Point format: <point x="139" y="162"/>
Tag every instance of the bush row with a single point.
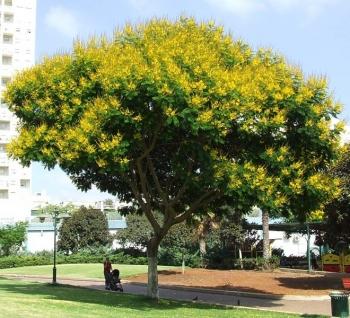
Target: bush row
<point x="47" y="259"/>
<point x="122" y="258"/>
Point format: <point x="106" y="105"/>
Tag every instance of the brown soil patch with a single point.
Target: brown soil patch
<point x="276" y="282"/>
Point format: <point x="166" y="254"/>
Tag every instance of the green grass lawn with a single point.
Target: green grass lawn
<point x="92" y="271"/>
<point x="24" y="299"/>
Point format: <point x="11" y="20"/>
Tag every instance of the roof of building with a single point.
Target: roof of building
<point x="48" y="226"/>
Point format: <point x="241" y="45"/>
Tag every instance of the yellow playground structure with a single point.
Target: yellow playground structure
<point x="336" y="263"/>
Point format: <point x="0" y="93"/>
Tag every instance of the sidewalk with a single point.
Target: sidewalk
<point x="318" y="305"/>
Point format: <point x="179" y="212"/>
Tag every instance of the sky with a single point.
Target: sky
<point x="313" y="34"/>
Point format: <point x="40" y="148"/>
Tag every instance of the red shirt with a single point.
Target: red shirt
<point x="107" y="266"/>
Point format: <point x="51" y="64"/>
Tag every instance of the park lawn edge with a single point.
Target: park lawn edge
<point x="165" y="301"/>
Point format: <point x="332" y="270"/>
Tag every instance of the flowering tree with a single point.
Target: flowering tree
<point x="176" y="117"/>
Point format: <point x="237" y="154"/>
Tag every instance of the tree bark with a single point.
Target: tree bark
<point x="202" y="249"/>
<point x="202" y="246"/>
<point x="152" y="254"/>
<point x="266" y="238"/>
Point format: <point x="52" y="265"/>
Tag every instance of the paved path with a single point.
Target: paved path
<point x="293" y="304"/>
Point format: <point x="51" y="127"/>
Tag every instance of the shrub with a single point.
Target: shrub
<point x="12" y="238"/>
<point x="173" y="257"/>
<point x="47" y="259"/>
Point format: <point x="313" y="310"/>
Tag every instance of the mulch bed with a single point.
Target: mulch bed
<point x="276" y="282"/>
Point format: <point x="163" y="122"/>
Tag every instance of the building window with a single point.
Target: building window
<point x="2" y="148"/>
<point x="25" y="183"/>
<point x="5" y="80"/>
<point x="7" y="38"/>
<point x="4" y="171"/>
<point x="4" y="125"/>
<point x="6" y="60"/>
<point x="3" y="104"/>
<point x="8" y="2"/>
<point x="4" y="194"/>
<point x="8" y="17"/>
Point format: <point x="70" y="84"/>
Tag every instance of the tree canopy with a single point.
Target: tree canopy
<point x="173" y="116"/>
<point x="85" y="228"/>
<point x="336" y="213"/>
<point x="12" y="238"/>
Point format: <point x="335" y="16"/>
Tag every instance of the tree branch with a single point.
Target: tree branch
<point x="202" y="201"/>
<point x="147" y="150"/>
<point x="169" y="211"/>
<point x="144" y="187"/>
<point x="144" y="206"/>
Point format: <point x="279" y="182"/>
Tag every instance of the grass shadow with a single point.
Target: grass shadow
<point x="85" y="295"/>
<point x="117" y="301"/>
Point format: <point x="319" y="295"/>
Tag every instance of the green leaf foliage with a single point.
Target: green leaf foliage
<point x="85" y="228"/>
<point x="175" y="115"/>
<point x="337" y="212"/>
<point x="12" y="238"/>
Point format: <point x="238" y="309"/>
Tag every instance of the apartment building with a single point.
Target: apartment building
<point x="17" y="46"/>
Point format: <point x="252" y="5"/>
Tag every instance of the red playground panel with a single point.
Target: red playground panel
<point x="331" y="268"/>
<point x="346" y="283"/>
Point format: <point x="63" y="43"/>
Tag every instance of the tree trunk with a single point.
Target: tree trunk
<point x="152" y="254"/>
<point x="202" y="246"/>
<point x="266" y="239"/>
<point x="240" y="258"/>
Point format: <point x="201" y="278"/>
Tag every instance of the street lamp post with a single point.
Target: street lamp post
<point x="54" y="269"/>
<point x="56" y="216"/>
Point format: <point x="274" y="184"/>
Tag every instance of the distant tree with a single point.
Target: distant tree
<point x="226" y="239"/>
<point x="172" y="116"/>
<point x="337" y="212"/>
<point x="85" y="228"/>
<point x="56" y="209"/>
<point x="12" y="238"/>
<point x="137" y="232"/>
<point x="179" y="245"/>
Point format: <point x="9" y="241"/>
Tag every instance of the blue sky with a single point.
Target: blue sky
<point x="313" y="34"/>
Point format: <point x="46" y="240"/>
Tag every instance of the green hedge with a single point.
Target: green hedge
<point x="47" y="259"/>
<point x="121" y="258"/>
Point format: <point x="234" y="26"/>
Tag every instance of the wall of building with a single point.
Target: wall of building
<point x="17" y="52"/>
<point x="293" y="245"/>
<point x="40" y="236"/>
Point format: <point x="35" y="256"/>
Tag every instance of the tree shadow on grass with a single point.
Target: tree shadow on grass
<point x="99" y="297"/>
<point x="106" y="298"/>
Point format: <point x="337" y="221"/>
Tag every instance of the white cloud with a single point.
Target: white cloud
<point x="62" y="20"/>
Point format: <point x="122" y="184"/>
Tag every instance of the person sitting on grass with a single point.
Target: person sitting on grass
<point x="107" y="267"/>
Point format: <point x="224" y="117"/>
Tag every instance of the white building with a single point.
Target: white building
<point x="40" y="233"/>
<point x="17" y="45"/>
